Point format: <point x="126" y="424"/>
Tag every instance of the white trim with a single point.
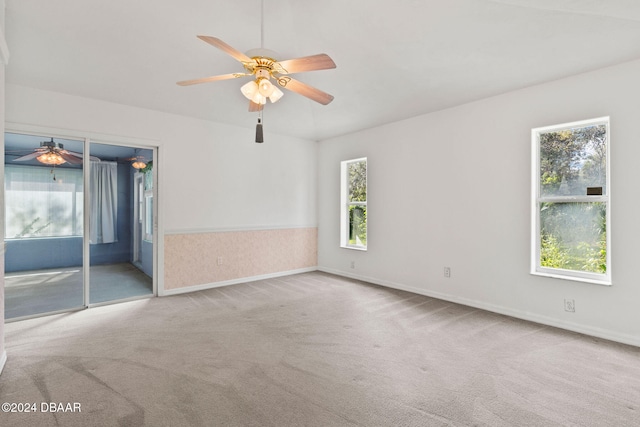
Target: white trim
<point x="544" y="320"/>
<point x="158" y="206"/>
<point x="237" y="229"/>
<point x="575" y="276"/>
<point x="4" y="48"/>
<point x="241" y="280"/>
<point x="3" y="361"/>
<point x="573" y="125"/>
<point x="355" y="248"/>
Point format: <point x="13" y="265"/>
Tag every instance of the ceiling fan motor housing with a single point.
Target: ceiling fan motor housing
<point x="263" y="73"/>
<point x="51" y="144"/>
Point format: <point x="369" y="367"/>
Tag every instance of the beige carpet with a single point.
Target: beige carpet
<point x="313" y="349"/>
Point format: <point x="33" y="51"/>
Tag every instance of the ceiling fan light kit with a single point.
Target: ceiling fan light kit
<point x="137" y="162"/>
<point x="257" y="91"/>
<point x="138" y="165"/>
<point x="51" y="159"/>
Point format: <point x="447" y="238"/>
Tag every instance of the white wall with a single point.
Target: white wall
<point x="452" y="188"/>
<point x="212" y="176"/>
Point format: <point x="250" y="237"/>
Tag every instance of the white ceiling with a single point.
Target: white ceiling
<point x="395" y="58"/>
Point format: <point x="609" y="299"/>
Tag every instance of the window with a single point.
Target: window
<point x="353" y="224"/>
<point x="571" y="209"/>
<point x="41" y="203"/>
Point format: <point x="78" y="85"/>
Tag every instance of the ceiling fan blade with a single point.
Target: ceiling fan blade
<point x="21" y="152"/>
<point x="78" y="155"/>
<point x="254" y="107"/>
<point x="212" y="79"/>
<point x="216" y="42"/>
<point x="28" y="156"/>
<point x="305" y="90"/>
<point x="73" y="153"/>
<point x="69" y="158"/>
<point x="321" y="61"/>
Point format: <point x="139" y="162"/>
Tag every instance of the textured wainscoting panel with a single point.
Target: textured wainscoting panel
<point x="192" y="259"/>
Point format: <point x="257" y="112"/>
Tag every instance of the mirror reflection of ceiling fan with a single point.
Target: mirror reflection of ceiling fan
<point x="53" y="154"/>
<point x="137" y="162"/>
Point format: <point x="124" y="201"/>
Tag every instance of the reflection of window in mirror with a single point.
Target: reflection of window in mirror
<point x="148" y="216"/>
<point x="148" y="181"/>
<point x="140" y="207"/>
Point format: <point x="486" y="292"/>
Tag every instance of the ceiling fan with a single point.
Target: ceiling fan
<point x="137" y="161"/>
<point x="262" y="64"/>
<point x="53" y="153"/>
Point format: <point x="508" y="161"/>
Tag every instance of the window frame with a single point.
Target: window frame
<point x="536" y="199"/>
<point x="345" y="204"/>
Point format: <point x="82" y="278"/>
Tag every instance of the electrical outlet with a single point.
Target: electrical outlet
<point x="353" y="264"/>
<point x="220" y="260"/>
<point x="570" y="305"/>
<point x="447" y="272"/>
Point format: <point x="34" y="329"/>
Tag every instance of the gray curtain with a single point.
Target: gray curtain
<point x="103" y="193"/>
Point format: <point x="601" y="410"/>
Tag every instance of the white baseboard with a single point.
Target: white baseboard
<point x="544" y="320"/>
<point x="3" y="361"/>
<point x="235" y="281"/>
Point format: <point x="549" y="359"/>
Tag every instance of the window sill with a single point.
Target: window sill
<point x="601" y="282"/>
<point x="355" y="248"/>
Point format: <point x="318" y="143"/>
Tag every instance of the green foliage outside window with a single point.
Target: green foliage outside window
<point x="573" y="234"/>
<point x="357" y="174"/>
<point x="358" y="225"/>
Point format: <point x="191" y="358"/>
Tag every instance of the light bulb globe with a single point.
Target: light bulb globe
<point x="265" y="87"/>
<point x="275" y="95"/>
<point x="249" y="90"/>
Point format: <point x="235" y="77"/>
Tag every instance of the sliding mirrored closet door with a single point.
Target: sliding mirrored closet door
<point x="121" y="214"/>
<point x="76" y="236"/>
<point x="44" y="211"/>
